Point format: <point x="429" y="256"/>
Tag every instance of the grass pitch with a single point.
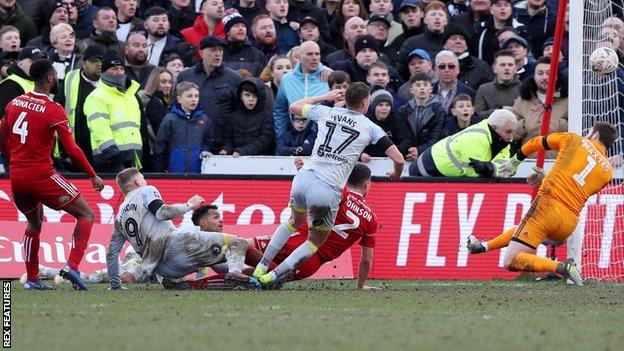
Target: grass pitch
<point x="325" y="315"/>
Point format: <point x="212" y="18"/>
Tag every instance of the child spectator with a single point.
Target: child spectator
<point x="298" y="139"/>
<point x="249" y="129"/>
<point x="185" y="135"/>
<point x="338" y="80"/>
<point x="9" y="39"/>
<point x="462" y="115"/>
<point x="423" y="114"/>
<point x="382" y="114"/>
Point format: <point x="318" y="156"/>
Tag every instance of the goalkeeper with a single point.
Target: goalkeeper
<point x="477" y="151"/>
<point x="581" y="170"/>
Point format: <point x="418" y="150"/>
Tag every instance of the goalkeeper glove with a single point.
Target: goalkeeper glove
<point x="507" y="168"/>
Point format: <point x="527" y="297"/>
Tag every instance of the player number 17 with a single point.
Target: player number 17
<point x="21" y="127"/>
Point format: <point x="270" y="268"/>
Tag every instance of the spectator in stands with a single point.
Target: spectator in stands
<point x="127" y="22"/>
<point x="458" y="7"/>
<point x="411" y="18"/>
<point x="63" y="53"/>
<point x="309" y="30"/>
<point x="470" y="154"/>
<point x="9" y="39"/>
<point x="264" y="35"/>
<point x="303" y="82"/>
<point x="472" y="70"/>
<point x="436" y="19"/>
<point x="156" y="98"/>
<point x="77" y="86"/>
<point x="419" y="61"/>
<point x="529" y="107"/>
<point x="173" y="63"/>
<point x="7" y="59"/>
<point x="56" y="12"/>
<point x="287" y="37"/>
<point x="330" y="9"/>
<point x="84" y="23"/>
<point x="448" y="85"/>
<point x="300" y="9"/>
<point x="137" y="66"/>
<point x="379" y="77"/>
<point x="208" y="23"/>
<point x="485" y="43"/>
<point x="347" y="9"/>
<point x="384" y="8"/>
<point x="378" y="27"/>
<point x="104" y="27"/>
<point x="461" y="117"/>
<point x="217" y="83"/>
<point x="114" y="119"/>
<point x="382" y="114"/>
<point x="424" y="115"/>
<point x="181" y="15"/>
<point x="505" y="33"/>
<point x="278" y="66"/>
<point x="159" y="41"/>
<point x="249" y="9"/>
<point x="18" y="82"/>
<point x="354" y="28"/>
<point x="249" y="129"/>
<point x="298" y="140"/>
<point x="186" y="134"/>
<point x="617" y="24"/>
<point x="12" y="14"/>
<point x="520" y="49"/>
<point x="338" y="80"/>
<point x="240" y="53"/>
<point x="479" y="11"/>
<point x="501" y="92"/>
<point x="539" y="19"/>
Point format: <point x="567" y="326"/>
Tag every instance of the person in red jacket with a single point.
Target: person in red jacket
<point x="207" y="23"/>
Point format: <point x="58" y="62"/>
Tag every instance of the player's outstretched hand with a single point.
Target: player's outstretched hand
<point x="195" y="201"/>
<point x="393" y="176"/>
<point x="535" y="179"/>
<point x="98" y="183"/>
<point x="369" y="288"/>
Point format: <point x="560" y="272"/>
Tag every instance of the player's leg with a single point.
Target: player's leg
<point x="298" y="206"/>
<point x="82" y="231"/>
<point x="476" y="246"/>
<point x="34" y="215"/>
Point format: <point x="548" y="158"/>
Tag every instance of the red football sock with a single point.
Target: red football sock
<point x="31" y="254"/>
<point x="82" y="232"/>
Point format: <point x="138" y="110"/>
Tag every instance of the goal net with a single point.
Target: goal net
<point x="598" y="242"/>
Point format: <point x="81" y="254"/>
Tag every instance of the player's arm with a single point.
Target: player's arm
<point x="553" y="141"/>
<point x="112" y="257"/>
<point x="395" y="155"/>
<point x="366" y="263"/>
<point x="165" y="212"/>
<point x="299" y="108"/>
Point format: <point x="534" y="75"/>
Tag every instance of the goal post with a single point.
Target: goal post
<point x="597" y="244"/>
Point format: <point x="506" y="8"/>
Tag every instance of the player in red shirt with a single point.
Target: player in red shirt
<point x="27" y="136"/>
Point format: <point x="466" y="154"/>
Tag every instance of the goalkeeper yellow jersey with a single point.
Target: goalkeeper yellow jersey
<point x="580" y="171"/>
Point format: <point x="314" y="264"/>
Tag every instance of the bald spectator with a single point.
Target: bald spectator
<point x="347" y="9"/>
<point x="472" y="71"/>
<point x="240" y="54"/>
<point x="127" y="22"/>
<point x="104" y="27"/>
<point x="448" y="85"/>
<point x="208" y="23"/>
<point x="354" y="28"/>
<point x="287" y="37"/>
<point x="12" y="14"/>
<point x="505" y="88"/>
<point x="301" y="83"/>
<point x="264" y="35"/>
<point x="479" y="11"/>
<point x="135" y="56"/>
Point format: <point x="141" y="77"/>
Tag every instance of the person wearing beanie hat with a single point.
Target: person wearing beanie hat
<point x="381" y="112"/>
<point x="472" y="70"/>
<point x="118" y="129"/>
<point x="28" y="145"/>
<point x="240" y="52"/>
<point x="55" y="13"/>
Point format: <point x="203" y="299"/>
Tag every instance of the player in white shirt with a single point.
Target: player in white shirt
<point x="145" y="221"/>
<point x="316" y="191"/>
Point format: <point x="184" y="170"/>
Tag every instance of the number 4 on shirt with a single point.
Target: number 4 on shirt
<point x="21" y="127"/>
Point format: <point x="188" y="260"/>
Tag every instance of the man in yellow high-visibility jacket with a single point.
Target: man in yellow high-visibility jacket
<point x="18" y="82"/>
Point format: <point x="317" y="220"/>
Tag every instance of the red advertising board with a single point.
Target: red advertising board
<point x="422" y="235"/>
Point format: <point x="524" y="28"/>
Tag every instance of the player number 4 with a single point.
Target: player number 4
<point x="580" y="177"/>
<point x="21" y="127"/>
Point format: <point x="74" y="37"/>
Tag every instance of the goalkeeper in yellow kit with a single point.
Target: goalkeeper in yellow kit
<point x="581" y="170"/>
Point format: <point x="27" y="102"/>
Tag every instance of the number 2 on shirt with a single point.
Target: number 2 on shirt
<point x="21" y="127"/>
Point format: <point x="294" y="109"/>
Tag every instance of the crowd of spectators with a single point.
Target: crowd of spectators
<point x="163" y="84"/>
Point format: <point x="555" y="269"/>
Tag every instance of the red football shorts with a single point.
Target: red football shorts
<point x="53" y="191"/>
<point x="304" y="270"/>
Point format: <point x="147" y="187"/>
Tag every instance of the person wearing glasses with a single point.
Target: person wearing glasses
<point x="448" y="85"/>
